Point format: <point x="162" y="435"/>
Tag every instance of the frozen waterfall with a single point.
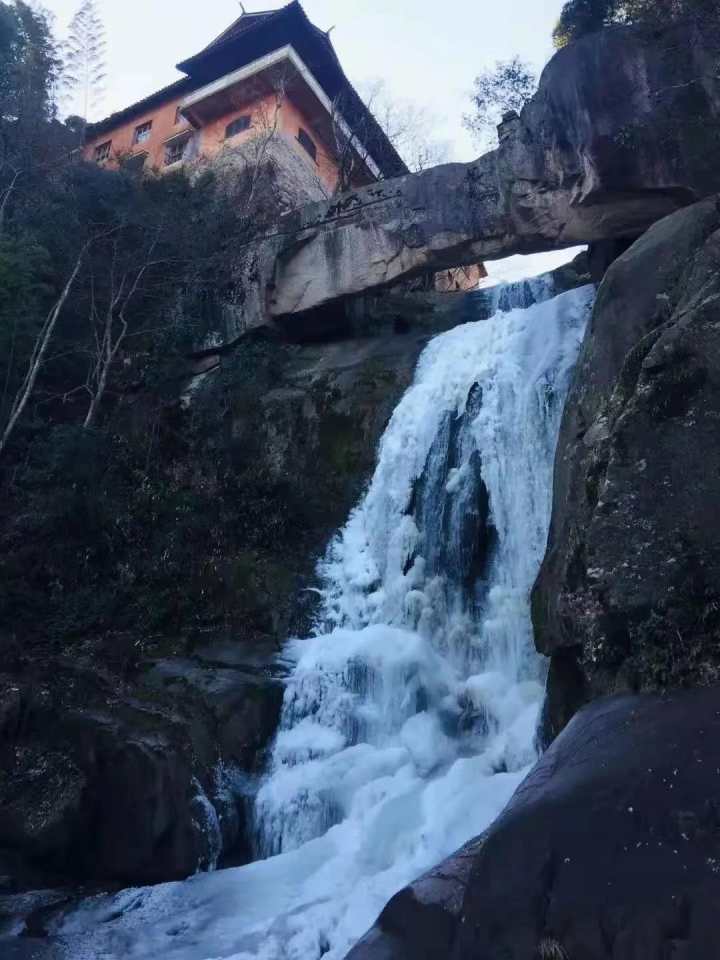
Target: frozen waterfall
<point x="410" y="715"/>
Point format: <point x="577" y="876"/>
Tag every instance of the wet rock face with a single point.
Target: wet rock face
<point x="628" y="597"/>
<point x="110" y="781"/>
<point x="136" y="779"/>
<point x="622" y="131"/>
<point x="609" y="849"/>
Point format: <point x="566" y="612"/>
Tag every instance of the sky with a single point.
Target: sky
<point x="427" y="52"/>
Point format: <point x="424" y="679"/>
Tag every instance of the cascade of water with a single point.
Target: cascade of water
<point x="424" y="631"/>
<point x="409" y="718"/>
<point x="522" y="294"/>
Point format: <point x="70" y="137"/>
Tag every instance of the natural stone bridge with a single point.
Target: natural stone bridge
<point x="606" y="147"/>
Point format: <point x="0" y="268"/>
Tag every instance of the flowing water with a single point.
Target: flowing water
<point x="410" y="716"/>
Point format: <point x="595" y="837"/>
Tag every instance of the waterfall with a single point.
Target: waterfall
<point x="410" y="714"/>
<point x="423" y="648"/>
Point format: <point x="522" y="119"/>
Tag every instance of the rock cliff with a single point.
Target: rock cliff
<point x="621" y="132"/>
<point x="141" y="681"/>
<point x="628" y="598"/>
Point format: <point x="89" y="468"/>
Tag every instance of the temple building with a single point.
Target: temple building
<point x="271" y="89"/>
<point x="269" y="75"/>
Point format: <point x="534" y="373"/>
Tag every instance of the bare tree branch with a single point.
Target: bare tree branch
<point x="112" y="332"/>
<point x="5" y="196"/>
<point x="39" y="351"/>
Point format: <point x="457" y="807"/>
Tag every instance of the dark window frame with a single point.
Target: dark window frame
<point x="237" y="126"/>
<point x="103" y="151"/>
<point x="135" y="163"/>
<point x="307" y="143"/>
<point x="171" y="155"/>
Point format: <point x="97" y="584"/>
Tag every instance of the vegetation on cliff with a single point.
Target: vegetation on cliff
<point x="114" y="495"/>
<point x="504" y="89"/>
<point x="580" y="17"/>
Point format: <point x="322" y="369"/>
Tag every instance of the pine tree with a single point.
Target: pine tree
<point x="84" y="60"/>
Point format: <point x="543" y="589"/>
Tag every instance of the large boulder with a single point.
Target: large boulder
<point x="628" y="597"/>
<point x="106" y="780"/>
<point x="622" y="131"/>
<point x="609" y="850"/>
<point x="611" y="847"/>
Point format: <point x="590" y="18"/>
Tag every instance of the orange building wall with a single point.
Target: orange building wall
<point x="261" y="112"/>
<point x="164" y="126"/>
<point x="212" y="137"/>
<point x="460" y="278"/>
<point x="292" y="118"/>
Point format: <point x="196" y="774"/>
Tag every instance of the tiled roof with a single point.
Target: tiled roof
<point x="254" y="35"/>
<point x="243" y="23"/>
<point x="151" y="102"/>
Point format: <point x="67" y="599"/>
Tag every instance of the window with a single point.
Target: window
<point x="142" y="133"/>
<point x="236" y="127"/>
<point x="305" y="140"/>
<point x="102" y="152"/>
<point x="175" y="150"/>
<point x="134" y="164"/>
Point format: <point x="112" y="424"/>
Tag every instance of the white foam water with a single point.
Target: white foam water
<point x="409" y="717"/>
